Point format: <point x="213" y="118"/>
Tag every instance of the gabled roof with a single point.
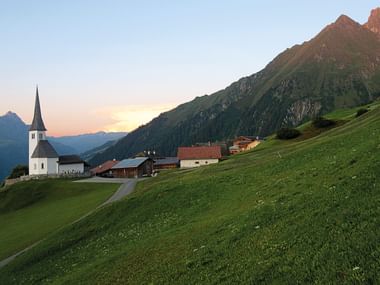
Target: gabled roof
<point x="166" y="160"/>
<point x="104" y="167"/>
<point x="38" y="123"/>
<point x="70" y="159"/>
<point x="201" y="152"/>
<point x="44" y="150"/>
<point x="131" y="162"/>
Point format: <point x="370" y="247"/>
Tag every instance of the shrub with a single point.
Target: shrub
<point x="287" y="133"/>
<point x="361" y="112"/>
<point x="18" y="171"/>
<point x="321" y="122"/>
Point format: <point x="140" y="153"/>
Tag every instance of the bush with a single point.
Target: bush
<point x="287" y="134"/>
<point x="361" y="112"/>
<point x="18" y="171"/>
<point x="321" y="122"/>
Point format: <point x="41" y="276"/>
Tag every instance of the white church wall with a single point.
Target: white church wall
<point x="33" y="166"/>
<point x="42" y="166"/>
<point x="51" y="165"/>
<point x="71" y="168"/>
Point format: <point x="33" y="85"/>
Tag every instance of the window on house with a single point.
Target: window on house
<point x="35" y="166"/>
<point x="197" y="162"/>
<point x="206" y="162"/>
<point x="42" y="165"/>
<point x="33" y="136"/>
<point x="40" y="136"/>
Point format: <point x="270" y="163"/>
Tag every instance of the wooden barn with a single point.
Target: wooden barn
<point x="166" y="163"/>
<point x="133" y="168"/>
<point x="104" y="169"/>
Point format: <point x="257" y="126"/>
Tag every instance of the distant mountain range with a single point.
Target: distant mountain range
<point x="338" y="68"/>
<point x="14" y="143"/>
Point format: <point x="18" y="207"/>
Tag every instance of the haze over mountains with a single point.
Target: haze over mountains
<point x="339" y="68"/>
<point x="14" y="142"/>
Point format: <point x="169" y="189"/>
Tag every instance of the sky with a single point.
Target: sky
<point x="114" y="65"/>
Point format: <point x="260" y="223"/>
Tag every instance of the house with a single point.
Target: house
<point x="133" y="168"/>
<point x="244" y="143"/>
<point x="105" y="169"/>
<point x="197" y="156"/>
<point x="43" y="158"/>
<point x="166" y="163"/>
<point x="71" y="164"/>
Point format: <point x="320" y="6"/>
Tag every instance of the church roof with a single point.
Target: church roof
<point x="38" y="123"/>
<point x="44" y="150"/>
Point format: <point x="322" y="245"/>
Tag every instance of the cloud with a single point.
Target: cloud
<point x="128" y="118"/>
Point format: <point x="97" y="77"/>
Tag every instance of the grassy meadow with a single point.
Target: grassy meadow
<point x="300" y="212"/>
<point x="29" y="211"/>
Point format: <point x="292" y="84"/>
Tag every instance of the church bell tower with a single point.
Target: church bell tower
<point x="37" y="131"/>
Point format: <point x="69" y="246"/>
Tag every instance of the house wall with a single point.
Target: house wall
<point x="71" y="168"/>
<point x="253" y="145"/>
<point x="125" y="173"/>
<point x="190" y="163"/>
<point x="166" y="166"/>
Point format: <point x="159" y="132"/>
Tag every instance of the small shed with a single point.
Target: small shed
<point x="133" y="168"/>
<point x="166" y="163"/>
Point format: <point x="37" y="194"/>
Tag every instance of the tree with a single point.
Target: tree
<point x="18" y="171"/>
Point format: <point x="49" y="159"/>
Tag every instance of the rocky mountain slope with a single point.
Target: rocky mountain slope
<point x="339" y="68"/>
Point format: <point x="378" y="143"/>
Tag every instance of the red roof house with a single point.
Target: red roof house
<point x="198" y="156"/>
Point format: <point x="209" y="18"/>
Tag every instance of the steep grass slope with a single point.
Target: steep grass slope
<point x="31" y="210"/>
<point x="292" y="213"/>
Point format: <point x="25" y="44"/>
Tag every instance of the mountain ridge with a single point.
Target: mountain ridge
<point x="338" y="68"/>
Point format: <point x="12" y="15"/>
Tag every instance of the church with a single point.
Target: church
<point x="43" y="158"/>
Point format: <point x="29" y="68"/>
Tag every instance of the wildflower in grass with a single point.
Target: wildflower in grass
<point x="356" y="268"/>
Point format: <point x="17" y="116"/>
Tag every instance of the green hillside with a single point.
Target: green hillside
<point x="31" y="210"/>
<point x="301" y="212"/>
<point x="339" y="68"/>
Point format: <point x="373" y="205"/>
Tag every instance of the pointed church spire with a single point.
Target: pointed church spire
<point x="38" y="123"/>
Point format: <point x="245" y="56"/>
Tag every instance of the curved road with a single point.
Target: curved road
<point x="127" y="187"/>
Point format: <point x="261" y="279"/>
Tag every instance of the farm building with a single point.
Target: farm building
<point x="105" y="169"/>
<point x="197" y="156"/>
<point x="71" y="164"/>
<point x="244" y="143"/>
<point x="133" y="168"/>
<point x="166" y="163"/>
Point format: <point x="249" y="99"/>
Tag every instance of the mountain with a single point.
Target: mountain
<point x="88" y="155"/>
<point x="14" y="142"/>
<point x="86" y="142"/>
<point x="373" y="23"/>
<point x="339" y="68"/>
